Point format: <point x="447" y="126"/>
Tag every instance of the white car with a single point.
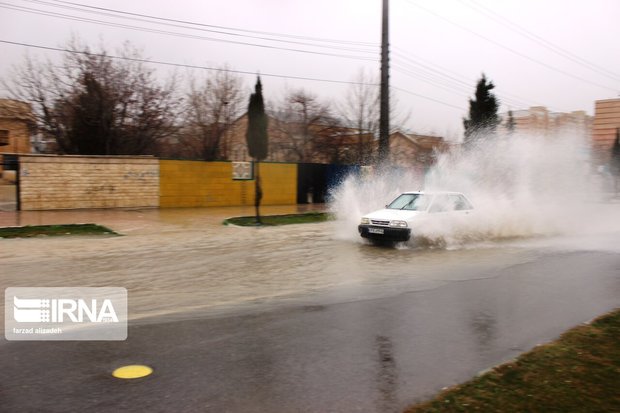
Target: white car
<point x="400" y="218"/>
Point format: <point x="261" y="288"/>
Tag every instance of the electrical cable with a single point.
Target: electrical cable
<point x="158" y="31"/>
<point x="541" y="40"/>
<point x="514" y="51"/>
<point x="318" y="39"/>
<point x="159" y="62"/>
<point x="194" y="26"/>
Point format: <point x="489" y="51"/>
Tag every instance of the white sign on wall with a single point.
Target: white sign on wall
<point x="242" y="171"/>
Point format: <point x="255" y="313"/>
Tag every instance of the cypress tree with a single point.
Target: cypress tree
<point x="482" y="111"/>
<point x="257" y="138"/>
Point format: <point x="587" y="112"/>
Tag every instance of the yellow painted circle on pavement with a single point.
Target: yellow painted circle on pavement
<point x="134" y="371"/>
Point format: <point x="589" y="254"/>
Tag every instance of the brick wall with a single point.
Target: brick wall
<point x="206" y="184"/>
<point x="71" y="182"/>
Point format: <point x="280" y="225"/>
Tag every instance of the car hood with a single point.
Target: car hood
<point x="394" y="214"/>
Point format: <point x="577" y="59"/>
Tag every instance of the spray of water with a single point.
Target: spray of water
<point x="521" y="186"/>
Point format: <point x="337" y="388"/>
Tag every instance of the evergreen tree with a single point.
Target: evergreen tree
<point x="257" y="138"/>
<point x="483" y="117"/>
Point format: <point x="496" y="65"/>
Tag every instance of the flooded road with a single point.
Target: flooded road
<point x="294" y="318"/>
<point x="185" y="263"/>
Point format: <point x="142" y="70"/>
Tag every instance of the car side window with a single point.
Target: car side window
<point x="461" y="203"/>
<point x="440" y="204"/>
<point x="444" y="203"/>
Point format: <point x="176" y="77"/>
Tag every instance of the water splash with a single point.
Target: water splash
<point x="360" y="194"/>
<point x="521" y="186"/>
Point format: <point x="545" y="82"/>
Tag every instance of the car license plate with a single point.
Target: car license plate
<point x="375" y="230"/>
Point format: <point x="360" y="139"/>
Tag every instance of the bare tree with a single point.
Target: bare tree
<point x="306" y="126"/>
<point x="360" y="110"/>
<point x="212" y="105"/>
<point x="93" y="103"/>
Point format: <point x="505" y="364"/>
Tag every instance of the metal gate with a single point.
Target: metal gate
<point x="9" y="182"/>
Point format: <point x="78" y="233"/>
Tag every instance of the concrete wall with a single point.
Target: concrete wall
<point x="71" y="182"/>
<point x="206" y="184"/>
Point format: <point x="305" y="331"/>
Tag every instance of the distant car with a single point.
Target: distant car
<point x="400" y="218"/>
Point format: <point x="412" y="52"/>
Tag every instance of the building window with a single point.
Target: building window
<point x="4" y="137"/>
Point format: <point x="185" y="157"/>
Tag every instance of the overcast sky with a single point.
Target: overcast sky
<point x="563" y="54"/>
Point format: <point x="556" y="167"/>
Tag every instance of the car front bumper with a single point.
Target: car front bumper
<point x="376" y="232"/>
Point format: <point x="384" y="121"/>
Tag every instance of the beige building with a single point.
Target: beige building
<point x="538" y="120"/>
<point x="606" y="125"/>
<point x="335" y="145"/>
<point x="16" y="126"/>
<point x="415" y="152"/>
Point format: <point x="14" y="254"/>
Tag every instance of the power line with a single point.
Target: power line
<point x="461" y="92"/>
<point x="518" y="53"/>
<point x="117" y="14"/>
<point x="540" y="40"/>
<point x="241" y="72"/>
<point x="427" y="79"/>
<point x="436" y="69"/>
<point x="454" y="85"/>
<point x="405" y="54"/>
<point x="432" y="68"/>
<point x="318" y="39"/>
<point x="427" y="98"/>
<point x="188" y="66"/>
<point x="158" y="31"/>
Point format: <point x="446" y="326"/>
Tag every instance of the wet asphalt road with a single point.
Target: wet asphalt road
<point x="371" y="355"/>
<point x="366" y="345"/>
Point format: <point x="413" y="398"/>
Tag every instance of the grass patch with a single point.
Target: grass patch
<point x="54" y="230"/>
<point x="580" y="372"/>
<point x="270" y="220"/>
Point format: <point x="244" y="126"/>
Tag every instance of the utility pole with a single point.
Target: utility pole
<point x="384" y="116"/>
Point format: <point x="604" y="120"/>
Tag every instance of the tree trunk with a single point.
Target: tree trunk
<point x="258" y="194"/>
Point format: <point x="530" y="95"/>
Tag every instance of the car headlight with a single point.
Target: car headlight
<point x="400" y="224"/>
<point x="365" y="221"/>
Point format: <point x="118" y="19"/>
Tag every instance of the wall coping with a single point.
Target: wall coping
<point x="45" y="155"/>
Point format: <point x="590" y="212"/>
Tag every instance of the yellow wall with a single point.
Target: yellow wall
<point x="205" y="184"/>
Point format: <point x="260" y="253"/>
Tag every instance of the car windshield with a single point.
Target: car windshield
<point x="410" y="202"/>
